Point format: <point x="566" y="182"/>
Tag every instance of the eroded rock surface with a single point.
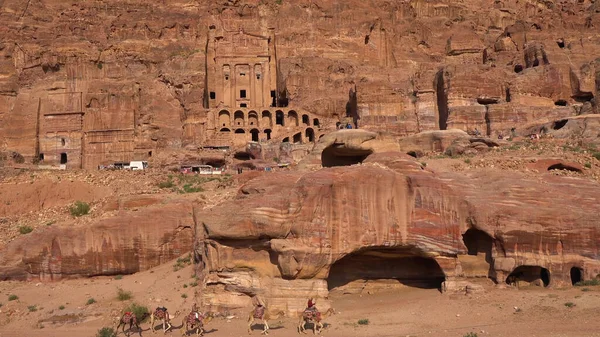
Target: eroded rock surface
<point x="390" y="218"/>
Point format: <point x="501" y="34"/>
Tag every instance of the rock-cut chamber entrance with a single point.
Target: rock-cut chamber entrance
<point x="529" y="275"/>
<point x="342" y="156"/>
<point x="384" y="268"/>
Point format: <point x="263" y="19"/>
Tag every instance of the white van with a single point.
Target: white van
<point x="138" y="165"/>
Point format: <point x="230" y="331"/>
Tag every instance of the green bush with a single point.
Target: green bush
<point x="596" y="155"/>
<point x="364" y="321"/>
<point x="470" y="334"/>
<point x="106" y="332"/>
<point x="90" y="301"/>
<point x="588" y="165"/>
<point x="183" y="296"/>
<point x="123" y="295"/>
<point x="140" y="312"/>
<point x="194" y="284"/>
<point x="188" y="188"/>
<point x="32" y="308"/>
<point x="118" y="277"/>
<point x="80" y="208"/>
<point x="62" y="307"/>
<point x="13" y="297"/>
<point x="25" y="229"/>
<point x="569" y="304"/>
<point x="166" y="184"/>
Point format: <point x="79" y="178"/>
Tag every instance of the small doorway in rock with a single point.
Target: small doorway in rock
<point x="268" y="133"/>
<point x="310" y="134"/>
<point x="576" y="275"/>
<point x="279" y="118"/>
<point x="286" y="140"/>
<point x="545" y="276"/>
<point x="255" y="134"/>
<point x="316" y="122"/>
<point x="63" y="158"/>
<point x="298" y="138"/>
<point x="62" y="142"/>
<point x="41" y="157"/>
<point x="149" y="153"/>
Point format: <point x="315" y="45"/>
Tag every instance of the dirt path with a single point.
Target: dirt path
<point x="404" y="312"/>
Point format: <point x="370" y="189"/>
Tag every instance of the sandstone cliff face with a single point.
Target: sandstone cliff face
<point x="136" y="70"/>
<point x="390" y="218"/>
<point x="124" y="244"/>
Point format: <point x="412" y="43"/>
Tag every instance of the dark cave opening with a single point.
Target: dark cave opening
<point x="400" y="265"/>
<point x="530" y="274"/>
<point x="576" y="275"/>
<point x="339" y="156"/>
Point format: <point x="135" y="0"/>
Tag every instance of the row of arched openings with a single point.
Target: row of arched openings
<point x="265" y="119"/>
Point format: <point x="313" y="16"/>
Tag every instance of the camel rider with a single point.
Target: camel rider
<point x="312" y="305"/>
<point x="196" y="312"/>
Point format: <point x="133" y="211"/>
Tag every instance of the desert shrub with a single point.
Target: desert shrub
<point x="80" y="208"/>
<point x="596" y="155"/>
<point x="141" y="312"/>
<point x="588" y="165"/>
<point x="106" y="332"/>
<point x="166" y="184"/>
<point x="569" y="304"/>
<point x="182" y="262"/>
<point x="592" y="282"/>
<point x="194" y="284"/>
<point x="62" y="307"/>
<point x="90" y="301"/>
<point x="25" y="229"/>
<point x="123" y="295"/>
<point x="13" y="297"/>
<point x="118" y="277"/>
<point x="32" y="308"/>
<point x="188" y="188"/>
<point x="183" y="296"/>
<point x="470" y="334"/>
<point x="364" y="321"/>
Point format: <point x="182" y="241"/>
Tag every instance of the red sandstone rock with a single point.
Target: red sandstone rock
<point x="124" y="244"/>
<point x="389" y="208"/>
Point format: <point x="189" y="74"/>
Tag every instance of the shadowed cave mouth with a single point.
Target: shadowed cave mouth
<point x="401" y="264"/>
<point x="530" y="274"/>
<point x="243" y="156"/>
<point x="576" y="275"/>
<point x="337" y="155"/>
<point x="480" y="244"/>
<point x="564" y="167"/>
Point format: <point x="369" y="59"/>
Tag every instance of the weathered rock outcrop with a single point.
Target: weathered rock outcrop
<point x="318" y="231"/>
<point x="123" y="244"/>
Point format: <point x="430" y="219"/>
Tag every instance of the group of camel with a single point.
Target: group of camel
<point x="194" y="321"/>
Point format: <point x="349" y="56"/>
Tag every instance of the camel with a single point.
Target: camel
<point x="310" y="317"/>
<point x="129" y="318"/>
<point x="260" y="313"/>
<point x="161" y="314"/>
<point x="194" y="321"/>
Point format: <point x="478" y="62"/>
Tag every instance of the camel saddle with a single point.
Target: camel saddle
<point x="259" y="312"/>
<point x="192" y="320"/>
<point x="160" y="313"/>
<point x="129" y="316"/>
<point x="312" y="315"/>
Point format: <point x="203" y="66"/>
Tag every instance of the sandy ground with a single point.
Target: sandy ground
<point x="404" y="312"/>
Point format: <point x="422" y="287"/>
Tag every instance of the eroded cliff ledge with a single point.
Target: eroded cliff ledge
<point x="390" y="218"/>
